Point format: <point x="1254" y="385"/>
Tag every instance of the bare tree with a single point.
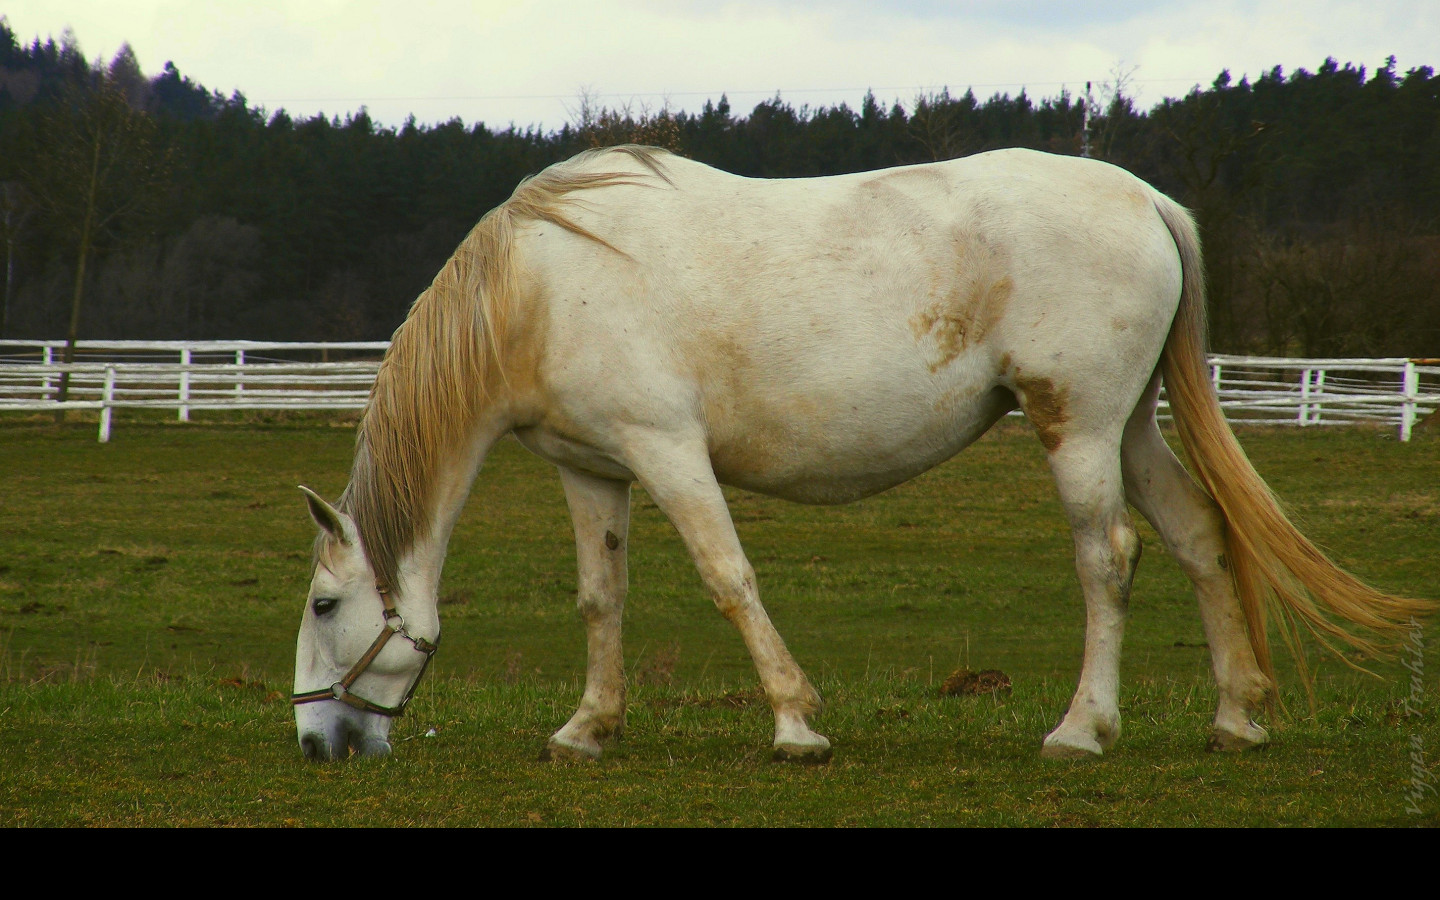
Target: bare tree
<point x="209" y="274"/>
<point x="1114" y="108"/>
<point x="1361" y="287"/>
<point x="600" y="126"/>
<point x="937" y="126"/>
<point x="102" y="167"/>
<point x="1203" y="152"/>
<point x="15" y="209"/>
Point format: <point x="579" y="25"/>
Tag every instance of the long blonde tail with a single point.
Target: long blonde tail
<point x="1276" y="568"/>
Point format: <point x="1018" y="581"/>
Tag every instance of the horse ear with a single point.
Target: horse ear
<point x="326" y="516"/>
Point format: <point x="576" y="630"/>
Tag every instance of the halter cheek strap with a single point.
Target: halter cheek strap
<point x="340" y="690"/>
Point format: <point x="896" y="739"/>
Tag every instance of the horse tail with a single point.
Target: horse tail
<point x="1276" y="569"/>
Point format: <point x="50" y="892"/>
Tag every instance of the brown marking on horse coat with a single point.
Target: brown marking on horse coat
<point x="962" y="318"/>
<point x="749" y="432"/>
<point x="922" y="176"/>
<point x="1044" y="406"/>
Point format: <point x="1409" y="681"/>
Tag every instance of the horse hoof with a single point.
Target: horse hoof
<point x="568" y="753"/>
<point x="1069" y="749"/>
<point x="1252" y="738"/>
<point x="802" y="755"/>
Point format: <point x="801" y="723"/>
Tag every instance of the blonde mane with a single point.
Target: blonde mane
<point x="447" y="360"/>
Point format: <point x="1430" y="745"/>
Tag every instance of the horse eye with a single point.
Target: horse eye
<point x="323" y="605"/>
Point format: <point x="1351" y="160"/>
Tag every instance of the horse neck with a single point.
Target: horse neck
<point x="419" y="568"/>
<point x="422" y="513"/>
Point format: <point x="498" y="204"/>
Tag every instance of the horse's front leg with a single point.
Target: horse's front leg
<point x="680" y="480"/>
<point x="600" y="510"/>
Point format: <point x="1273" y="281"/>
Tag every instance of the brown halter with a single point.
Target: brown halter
<point x="340" y="690"/>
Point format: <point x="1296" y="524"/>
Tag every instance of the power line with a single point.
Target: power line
<point x="742" y="93"/>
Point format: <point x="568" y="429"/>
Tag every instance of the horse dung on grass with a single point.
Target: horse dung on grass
<point x="630" y="315"/>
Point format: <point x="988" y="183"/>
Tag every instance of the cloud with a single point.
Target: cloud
<point x="525" y="62"/>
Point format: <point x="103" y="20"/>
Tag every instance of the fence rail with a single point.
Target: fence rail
<point x="189" y="376"/>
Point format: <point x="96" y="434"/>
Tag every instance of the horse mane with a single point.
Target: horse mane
<point x="446" y="360"/>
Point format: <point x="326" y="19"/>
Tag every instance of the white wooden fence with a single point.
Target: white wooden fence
<point x="1310" y="392"/>
<point x="189" y="376"/>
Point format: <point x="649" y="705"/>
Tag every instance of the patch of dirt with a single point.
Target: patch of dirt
<point x="967" y="683"/>
<point x="751" y="517"/>
<point x="728" y="700"/>
<point x="659" y="668"/>
<point x="144" y="553"/>
<point x="240" y="682"/>
<point x="516" y="668"/>
<point x="35" y="606"/>
<point x="731" y="699"/>
<point x="1412" y="504"/>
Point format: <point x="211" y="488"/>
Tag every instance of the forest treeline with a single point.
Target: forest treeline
<point x="135" y="206"/>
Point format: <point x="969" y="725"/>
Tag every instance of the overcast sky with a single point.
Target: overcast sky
<point x="528" y="62"/>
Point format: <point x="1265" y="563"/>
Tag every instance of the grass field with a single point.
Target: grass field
<point x="150" y="590"/>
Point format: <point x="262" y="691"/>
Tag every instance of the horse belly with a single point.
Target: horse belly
<point x="823" y="446"/>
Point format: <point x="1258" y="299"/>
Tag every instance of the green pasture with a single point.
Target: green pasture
<point x="150" y="590"/>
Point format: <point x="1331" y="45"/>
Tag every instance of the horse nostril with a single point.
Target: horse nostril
<point x="314" y="747"/>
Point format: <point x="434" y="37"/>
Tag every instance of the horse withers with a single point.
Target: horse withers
<point x="632" y="316"/>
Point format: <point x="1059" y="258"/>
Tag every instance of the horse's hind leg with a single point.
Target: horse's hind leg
<point x="1087" y="473"/>
<point x="679" y="479"/>
<point x="600" y="510"/>
<point x="1193" y="529"/>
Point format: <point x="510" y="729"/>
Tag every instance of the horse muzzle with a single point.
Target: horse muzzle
<point x="331" y="731"/>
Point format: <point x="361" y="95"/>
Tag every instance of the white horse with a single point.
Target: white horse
<point x="630" y="315"/>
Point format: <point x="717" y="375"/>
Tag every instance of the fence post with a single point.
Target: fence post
<point x="1304" y="398"/>
<point x="185" y="384"/>
<point x="49" y="361"/>
<point x="239" y="385"/>
<point x="1318" y="395"/>
<point x="1410" y="390"/>
<point x="105" y="400"/>
<point x="1215" y="376"/>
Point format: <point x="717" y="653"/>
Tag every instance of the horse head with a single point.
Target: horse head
<point x="351" y="677"/>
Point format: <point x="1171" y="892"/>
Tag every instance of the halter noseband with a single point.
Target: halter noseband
<point x="340" y="690"/>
